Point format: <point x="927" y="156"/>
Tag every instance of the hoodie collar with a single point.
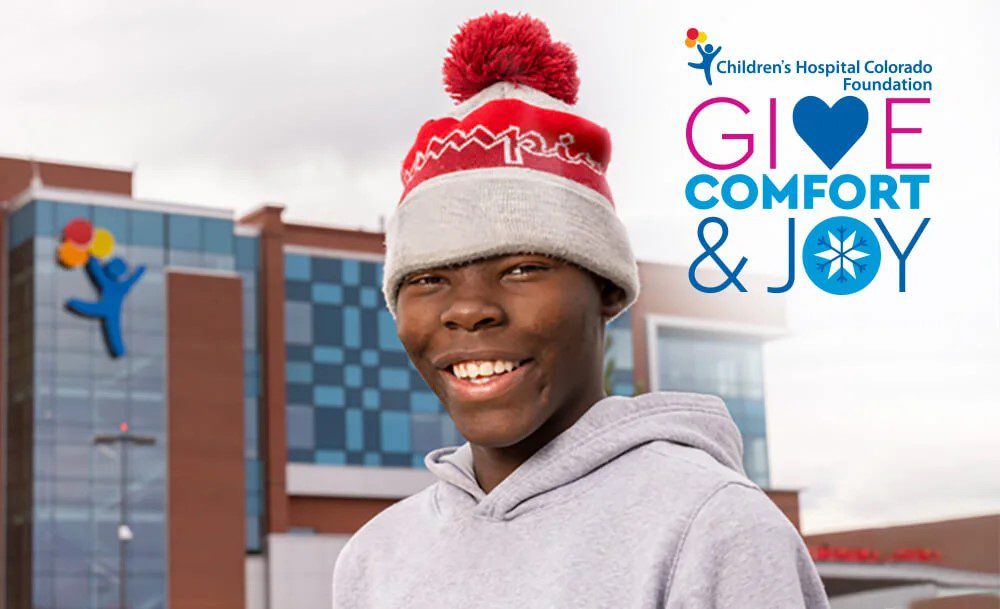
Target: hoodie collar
<point x="611" y="427"/>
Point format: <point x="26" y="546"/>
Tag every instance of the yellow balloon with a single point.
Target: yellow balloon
<point x="72" y="255"/>
<point x="102" y="244"/>
<point x="702" y="36"/>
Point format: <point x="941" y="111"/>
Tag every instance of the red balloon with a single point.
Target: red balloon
<point x="79" y="230"/>
<point x="693" y="33"/>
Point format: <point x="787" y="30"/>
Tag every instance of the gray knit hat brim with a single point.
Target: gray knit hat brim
<point x="479" y="213"/>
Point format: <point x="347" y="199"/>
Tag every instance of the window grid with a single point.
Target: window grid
<point x="353" y="396"/>
<point x="729" y="367"/>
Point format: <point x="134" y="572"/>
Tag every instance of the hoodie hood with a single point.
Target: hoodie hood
<point x="611" y="427"/>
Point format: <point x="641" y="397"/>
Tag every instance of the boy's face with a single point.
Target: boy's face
<point x="465" y="327"/>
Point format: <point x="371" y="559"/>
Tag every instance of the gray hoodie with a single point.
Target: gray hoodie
<point x="641" y="504"/>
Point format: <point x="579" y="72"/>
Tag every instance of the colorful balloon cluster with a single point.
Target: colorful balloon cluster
<point x="81" y="240"/>
<point x="694" y="37"/>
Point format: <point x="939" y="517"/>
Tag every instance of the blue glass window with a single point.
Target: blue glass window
<point x="352" y="327"/>
<point x="388" y="339"/>
<point x="79" y="390"/>
<point x="70" y="211"/>
<point x="327" y="293"/>
<point x="328" y="355"/>
<point x="21" y="226"/>
<point x="300" y="427"/>
<point x="113" y="219"/>
<point x="394" y="378"/>
<point x="352" y="375"/>
<point x="725" y="366"/>
<point x="45" y="218"/>
<point x="369" y="297"/>
<point x="331" y="457"/>
<point x="395" y="431"/>
<point x="147" y="228"/>
<point x="247" y="253"/>
<point x="367" y="400"/>
<point x="351" y="272"/>
<point x="355" y="438"/>
<point x="218" y="237"/>
<point x="184" y="232"/>
<point x="298" y="322"/>
<point x="424" y="401"/>
<point x="299" y="372"/>
<point x="325" y="395"/>
<point x="297" y="266"/>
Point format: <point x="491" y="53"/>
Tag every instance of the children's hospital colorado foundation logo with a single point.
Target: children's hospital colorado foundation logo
<point x="841" y="254"/>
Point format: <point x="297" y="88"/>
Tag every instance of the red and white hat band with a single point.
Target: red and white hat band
<point x="511" y="133"/>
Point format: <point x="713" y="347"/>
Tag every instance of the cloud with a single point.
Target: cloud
<point x="885" y="430"/>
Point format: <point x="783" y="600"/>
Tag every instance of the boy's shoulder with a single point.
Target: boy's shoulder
<point x="405" y="515"/>
<point x="714" y="490"/>
<point x="668" y="477"/>
<point x="674" y="463"/>
<point x="376" y="543"/>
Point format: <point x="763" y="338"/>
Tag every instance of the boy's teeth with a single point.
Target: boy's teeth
<point x="482" y="369"/>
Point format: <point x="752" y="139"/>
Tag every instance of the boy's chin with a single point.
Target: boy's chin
<point x="493" y="429"/>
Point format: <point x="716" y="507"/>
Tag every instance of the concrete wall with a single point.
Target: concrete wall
<point x="300" y="570"/>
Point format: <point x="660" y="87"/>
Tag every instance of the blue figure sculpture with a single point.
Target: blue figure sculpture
<point x="112" y="289"/>
<point x="708" y="54"/>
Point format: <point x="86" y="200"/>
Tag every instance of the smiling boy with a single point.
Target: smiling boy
<point x="505" y="261"/>
<point x="513" y="345"/>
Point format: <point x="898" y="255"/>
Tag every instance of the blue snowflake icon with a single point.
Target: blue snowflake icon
<point x="841" y="255"/>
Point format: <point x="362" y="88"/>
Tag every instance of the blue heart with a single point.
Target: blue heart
<point x="830" y="132"/>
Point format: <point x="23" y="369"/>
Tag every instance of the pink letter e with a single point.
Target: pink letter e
<point x="889" y="130"/>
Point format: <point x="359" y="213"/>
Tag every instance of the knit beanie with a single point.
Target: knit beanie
<point x="511" y="169"/>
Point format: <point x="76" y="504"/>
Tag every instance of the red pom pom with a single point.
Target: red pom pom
<point x="518" y="49"/>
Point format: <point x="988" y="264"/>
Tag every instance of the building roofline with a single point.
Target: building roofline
<point x="909" y="573"/>
<point x="257" y="213"/>
<point x="91" y="197"/>
<point x="904" y="523"/>
<point x="682" y="322"/>
<point x="332" y="252"/>
<point x="34" y="158"/>
<point x="333" y="229"/>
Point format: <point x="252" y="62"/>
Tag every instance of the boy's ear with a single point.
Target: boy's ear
<point x="612" y="298"/>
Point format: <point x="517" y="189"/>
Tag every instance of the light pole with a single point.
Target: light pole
<point x="123" y="438"/>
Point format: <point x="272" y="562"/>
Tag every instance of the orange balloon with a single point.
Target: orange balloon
<point x="72" y="255"/>
<point x="689" y="43"/>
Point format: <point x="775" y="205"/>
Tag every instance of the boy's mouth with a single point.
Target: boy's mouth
<point x="475" y="380"/>
<point x="481" y="371"/>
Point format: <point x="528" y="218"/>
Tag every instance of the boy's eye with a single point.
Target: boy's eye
<point x="526" y="268"/>
<point x="424" y="280"/>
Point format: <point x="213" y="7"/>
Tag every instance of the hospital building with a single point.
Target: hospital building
<point x="206" y="421"/>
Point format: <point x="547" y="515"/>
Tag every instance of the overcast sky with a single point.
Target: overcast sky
<point x="882" y="407"/>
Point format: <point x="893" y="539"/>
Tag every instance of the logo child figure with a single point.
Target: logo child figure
<point x="708" y="52"/>
<point x="81" y="243"/>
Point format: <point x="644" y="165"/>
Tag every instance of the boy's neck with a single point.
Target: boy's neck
<point x="492" y="465"/>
